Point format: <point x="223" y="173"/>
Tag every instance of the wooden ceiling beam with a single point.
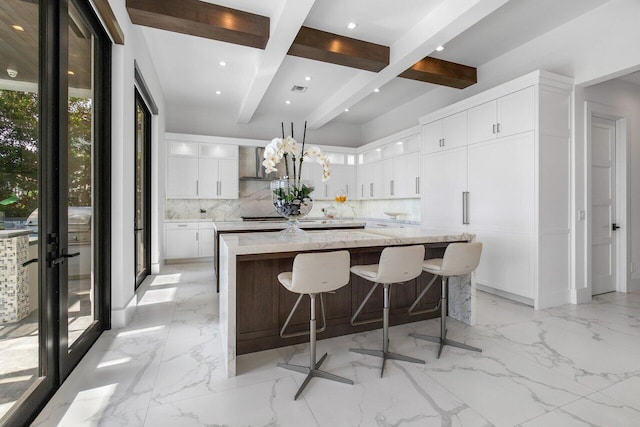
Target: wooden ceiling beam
<point x="440" y="72"/>
<point x="110" y="21"/>
<point x="201" y="19"/>
<point x="335" y="49"/>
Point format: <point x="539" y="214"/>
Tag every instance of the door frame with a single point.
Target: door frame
<point x="623" y="202"/>
<point x="148" y="117"/>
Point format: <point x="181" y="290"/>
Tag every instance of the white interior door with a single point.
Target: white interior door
<point x="603" y="204"/>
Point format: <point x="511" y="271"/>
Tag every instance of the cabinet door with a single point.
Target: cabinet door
<point x="206" y="242"/>
<point x="432" y="137"/>
<point x="228" y="179"/>
<point x="365" y="184"/>
<point x="516" y="112"/>
<point x="312" y="172"/>
<point x="406" y="173"/>
<point x="182" y="244"/>
<point x="482" y="122"/>
<point x="382" y="173"/>
<point x="182" y="177"/>
<point x="454" y="131"/>
<point x="445" y="180"/>
<point x="208" y="178"/>
<point x="342" y="178"/>
<point x="501" y="211"/>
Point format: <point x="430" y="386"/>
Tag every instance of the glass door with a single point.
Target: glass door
<point x="82" y="190"/>
<point x="143" y="190"/>
<point x="24" y="362"/>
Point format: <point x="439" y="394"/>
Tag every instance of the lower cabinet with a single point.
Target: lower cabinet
<point x="189" y="240"/>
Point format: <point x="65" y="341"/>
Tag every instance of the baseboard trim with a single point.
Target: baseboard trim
<point x="505" y="294"/>
<point x="580" y="296"/>
<point x="634" y="285"/>
<point x="120" y="317"/>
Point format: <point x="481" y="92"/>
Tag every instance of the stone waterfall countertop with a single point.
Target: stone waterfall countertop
<point x="260" y="243"/>
<point x="461" y="301"/>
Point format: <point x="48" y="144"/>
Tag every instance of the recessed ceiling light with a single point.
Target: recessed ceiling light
<point x="378" y="149"/>
<point x="71" y="73"/>
<point x="287" y="102"/>
<point x="440" y="48"/>
<point x="346" y="110"/>
<point x="376" y="90"/>
<point x="308" y="78"/>
<point x="17" y="27"/>
<point x="223" y="64"/>
<point x="351" y="25"/>
<point x="218" y="92"/>
<point x="399" y="142"/>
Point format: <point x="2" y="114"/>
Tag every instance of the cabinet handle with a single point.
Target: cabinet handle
<point x="197" y="187"/>
<point x="362" y="190"/>
<point x="371" y="189"/>
<point x="347" y="189"/>
<point x="443" y="142"/>
<point x="391" y="187"/>
<point x="219" y="188"/>
<point x="417" y="185"/>
<point x="182" y="225"/>
<point x="494" y="129"/>
<point x="197" y="235"/>
<point x="465" y="207"/>
<point x="498" y="128"/>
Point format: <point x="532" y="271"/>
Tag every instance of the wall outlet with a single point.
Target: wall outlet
<point x="582" y="215"/>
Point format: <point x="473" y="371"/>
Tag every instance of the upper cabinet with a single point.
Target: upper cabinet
<point x="202" y="170"/>
<point x="390" y="171"/>
<point x="444" y="134"/>
<point x="508" y="115"/>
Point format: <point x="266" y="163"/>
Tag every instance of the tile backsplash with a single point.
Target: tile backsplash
<point x="255" y="200"/>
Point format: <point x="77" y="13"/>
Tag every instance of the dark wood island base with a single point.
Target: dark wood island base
<point x="263" y="304"/>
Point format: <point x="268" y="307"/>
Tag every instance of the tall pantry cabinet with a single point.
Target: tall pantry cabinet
<point x="507" y="178"/>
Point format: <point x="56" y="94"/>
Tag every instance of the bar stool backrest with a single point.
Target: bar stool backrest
<point x="460" y="259"/>
<point x="399" y="264"/>
<point x="320" y="272"/>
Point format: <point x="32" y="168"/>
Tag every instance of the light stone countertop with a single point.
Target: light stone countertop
<point x="270" y="225"/>
<point x="258" y="243"/>
<point x="10" y="234"/>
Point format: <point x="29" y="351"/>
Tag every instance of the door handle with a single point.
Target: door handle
<point x="465" y="207"/>
<point x="31" y="261"/>
<point x="62" y="258"/>
<point x="614" y="226"/>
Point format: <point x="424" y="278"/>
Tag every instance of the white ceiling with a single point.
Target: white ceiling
<point x="478" y="31"/>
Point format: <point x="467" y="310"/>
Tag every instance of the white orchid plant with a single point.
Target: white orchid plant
<point x="287" y="149"/>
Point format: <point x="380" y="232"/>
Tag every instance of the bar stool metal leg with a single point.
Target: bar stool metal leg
<point x="442" y="339"/>
<point x="313" y="370"/>
<point x="385" y="353"/>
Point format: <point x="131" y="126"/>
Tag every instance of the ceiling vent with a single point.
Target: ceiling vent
<point x="299" y="89"/>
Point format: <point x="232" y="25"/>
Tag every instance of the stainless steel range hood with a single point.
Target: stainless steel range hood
<point x="258" y="173"/>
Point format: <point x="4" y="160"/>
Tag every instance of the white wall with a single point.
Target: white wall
<point x="203" y="121"/>
<point x="625" y="98"/>
<point x="122" y="179"/>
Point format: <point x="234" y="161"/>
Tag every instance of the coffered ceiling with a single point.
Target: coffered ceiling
<point x="257" y="82"/>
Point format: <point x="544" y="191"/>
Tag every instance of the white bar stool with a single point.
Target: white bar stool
<point x="459" y="259"/>
<point x="313" y="274"/>
<point x="397" y="264"/>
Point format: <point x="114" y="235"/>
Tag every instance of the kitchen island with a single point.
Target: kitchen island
<point x="225" y="227"/>
<point x="253" y="305"/>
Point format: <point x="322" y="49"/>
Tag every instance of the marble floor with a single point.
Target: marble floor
<point x="567" y="366"/>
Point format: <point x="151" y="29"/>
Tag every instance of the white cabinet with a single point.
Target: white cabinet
<point x="498" y="186"/>
<point x="508" y="115"/>
<point x="206" y="239"/>
<point x="181" y="240"/>
<point x="366" y="174"/>
<point x="343" y="177"/>
<point x="406" y="176"/>
<point x="445" y="181"/>
<point x="445" y="134"/>
<point x="182" y="177"/>
<point x="189" y="240"/>
<point x="202" y="170"/>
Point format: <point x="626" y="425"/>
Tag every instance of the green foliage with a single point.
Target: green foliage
<point x="292" y="193"/>
<point x="19" y="144"/>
